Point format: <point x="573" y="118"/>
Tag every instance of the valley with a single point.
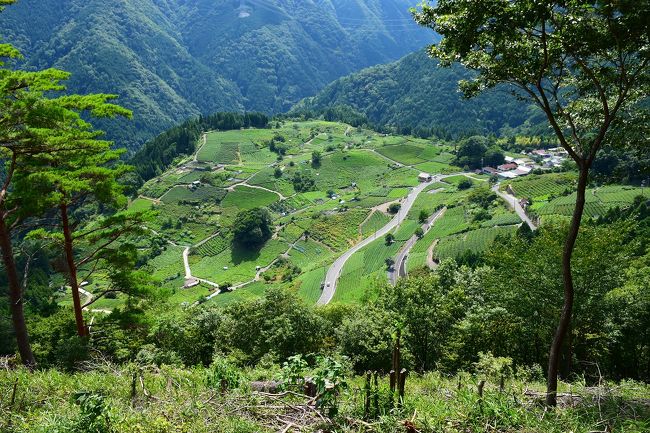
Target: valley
<point x="329" y="187"/>
<point x="353" y="216"/>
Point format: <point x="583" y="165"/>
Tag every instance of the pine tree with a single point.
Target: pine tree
<point x="33" y="123"/>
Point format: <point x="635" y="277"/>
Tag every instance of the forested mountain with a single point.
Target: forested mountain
<point x="171" y="59"/>
<point x="414" y="95"/>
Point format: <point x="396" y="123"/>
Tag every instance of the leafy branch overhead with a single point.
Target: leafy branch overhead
<point x="581" y="63"/>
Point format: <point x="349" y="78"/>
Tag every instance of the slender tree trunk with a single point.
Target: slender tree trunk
<point x="72" y="271"/>
<point x="15" y="296"/>
<point x="567" y="277"/>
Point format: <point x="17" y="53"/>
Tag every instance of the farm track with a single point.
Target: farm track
<point x="512" y="202"/>
<point x="205" y="140"/>
<point x="89" y="297"/>
<point x="258" y="274"/>
<point x="431" y="262"/>
<point x="245" y="183"/>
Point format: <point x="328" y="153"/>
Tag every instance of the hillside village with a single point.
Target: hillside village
<point x="538" y="159"/>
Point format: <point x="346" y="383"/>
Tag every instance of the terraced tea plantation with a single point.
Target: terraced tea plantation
<point x="553" y="195"/>
<point x="327" y="186"/>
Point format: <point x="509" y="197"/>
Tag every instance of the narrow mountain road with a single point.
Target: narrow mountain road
<point x="335" y="269"/>
<point x="514" y="203"/>
<point x="399" y="269"/>
<point x="190" y="280"/>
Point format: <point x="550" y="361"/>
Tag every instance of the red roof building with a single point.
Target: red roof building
<point x="507" y="167"/>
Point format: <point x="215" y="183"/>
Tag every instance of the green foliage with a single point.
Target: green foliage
<point x="493" y="368"/>
<point x="433" y="403"/>
<point x="483" y="197"/>
<point x="470" y="152"/>
<point x="465" y="184"/>
<point x="329" y="377"/>
<point x="413" y="96"/>
<point x="94" y="414"/>
<point x="195" y="60"/>
<point x="316" y="158"/>
<point x="222" y="375"/>
<point x="278" y="324"/>
<point x="303" y="181"/>
<point x="252" y="227"/>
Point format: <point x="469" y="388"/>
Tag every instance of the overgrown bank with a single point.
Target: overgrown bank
<point x="147" y="399"/>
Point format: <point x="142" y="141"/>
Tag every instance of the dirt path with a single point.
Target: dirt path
<point x="431" y="262"/>
<point x="89" y="297"/>
<point x="154" y="200"/>
<point x="245" y="183"/>
<point x="204" y="138"/>
<point x="258" y="274"/>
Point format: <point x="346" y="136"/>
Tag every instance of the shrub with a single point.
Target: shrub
<point x="464" y="184"/>
<point x="252" y="227"/>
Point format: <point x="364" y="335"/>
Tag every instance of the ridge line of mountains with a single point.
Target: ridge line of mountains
<point x="170" y="60"/>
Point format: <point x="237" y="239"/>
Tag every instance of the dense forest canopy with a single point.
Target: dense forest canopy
<point x="414" y="95"/>
<point x="171" y="60"/>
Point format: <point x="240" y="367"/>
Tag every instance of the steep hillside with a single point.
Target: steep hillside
<point x="415" y="94"/>
<point x="170" y="59"/>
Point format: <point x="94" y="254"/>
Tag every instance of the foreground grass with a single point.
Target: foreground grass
<point x="169" y="399"/>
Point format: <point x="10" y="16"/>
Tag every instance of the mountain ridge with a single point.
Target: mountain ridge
<point x="173" y="59"/>
<point x="414" y="94"/>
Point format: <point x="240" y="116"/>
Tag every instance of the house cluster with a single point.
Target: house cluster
<point x="549" y="158"/>
<point x="512" y="168"/>
<point x="539" y="158"/>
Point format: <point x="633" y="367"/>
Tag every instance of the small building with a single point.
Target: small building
<point x="541" y="152"/>
<point x="523" y="170"/>
<point x="507" y="167"/>
<point x="490" y="170"/>
<point x="509" y="159"/>
<point x="424" y="177"/>
<point x="508" y="175"/>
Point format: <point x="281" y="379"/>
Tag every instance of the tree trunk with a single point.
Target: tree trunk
<point x="15" y="296"/>
<point x="72" y="271"/>
<point x="567" y="277"/>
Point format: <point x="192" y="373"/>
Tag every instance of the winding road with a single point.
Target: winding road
<point x="399" y="269"/>
<point x="334" y="271"/>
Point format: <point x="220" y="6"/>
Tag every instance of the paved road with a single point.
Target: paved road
<point x="399" y="270"/>
<point x="513" y="202"/>
<point x="334" y="271"/>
